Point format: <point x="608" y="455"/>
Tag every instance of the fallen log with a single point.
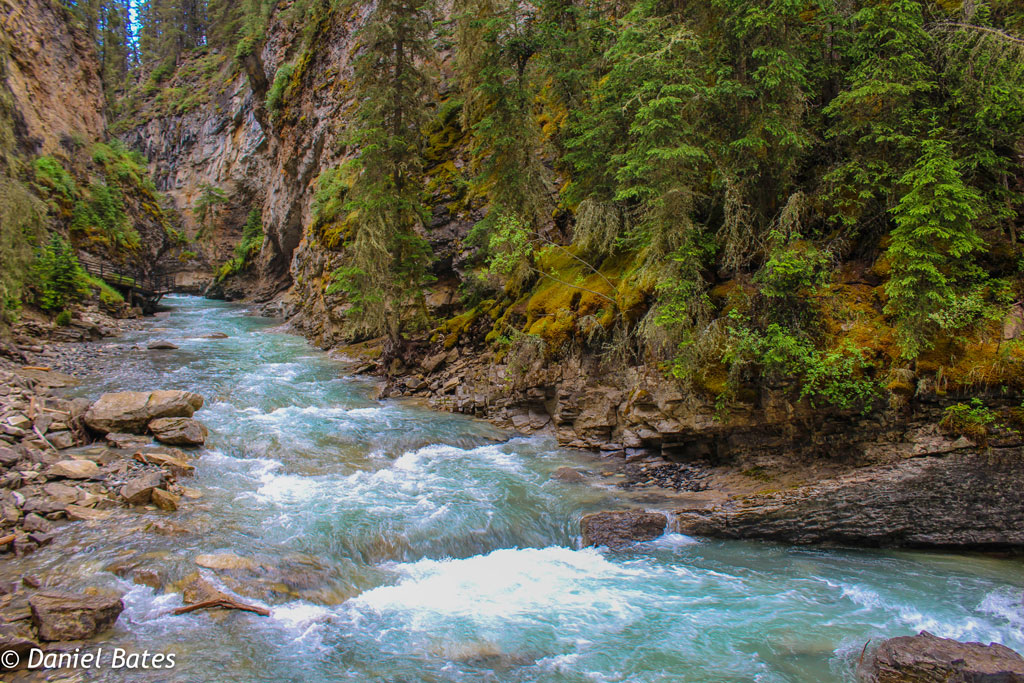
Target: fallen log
<point x="225" y="602"/>
<point x="4" y="540"/>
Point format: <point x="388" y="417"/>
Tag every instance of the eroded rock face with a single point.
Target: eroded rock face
<point x="132" y="411"/>
<point x="179" y="431"/>
<point x="619" y="528"/>
<point x="62" y="615"/>
<point x="963" y="499"/>
<point x="925" y="658"/>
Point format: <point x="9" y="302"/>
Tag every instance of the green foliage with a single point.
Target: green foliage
<point x="247" y="248"/>
<point x="21" y="220"/>
<point x="54" y="178"/>
<point x="109" y="296"/>
<point x="840" y="377"/>
<point x="931" y="245"/>
<point x="972" y="420"/>
<point x="63" y="318"/>
<point x="57" y="277"/>
<point x="279" y="88"/>
<point x="209" y="198"/>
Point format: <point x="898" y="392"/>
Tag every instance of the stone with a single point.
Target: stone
<point x="431" y="363"/>
<point x="63" y="615"/>
<point x="618" y="528"/>
<point x="61" y="440"/>
<point x="73" y="469"/>
<point x="926" y="658"/>
<point x="131" y="411"/>
<point x="9" y="457"/>
<point x="161" y="345"/>
<point x="225" y="562"/>
<point x="61" y="492"/>
<point x="215" y="335"/>
<point x="966" y="499"/>
<point x="567" y="474"/>
<point x="17" y="637"/>
<point x="179" y="431"/>
<point x="176" y="466"/>
<point x="19" y="421"/>
<point x="34" y="522"/>
<point x="77" y="513"/>
<point x="119" y="440"/>
<point x="165" y="500"/>
<point x="139" y="491"/>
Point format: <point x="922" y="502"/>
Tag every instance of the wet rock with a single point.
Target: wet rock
<point x="618" y="528"/>
<point x="175" y="465"/>
<point x="73" y="469"/>
<point x="179" y="431"/>
<point x="131" y="411"/>
<point x="925" y="658"/>
<point x="139" y="491"/>
<point x="119" y="440"/>
<point x="77" y="513"/>
<point x="63" y="615"/>
<point x="160" y="345"/>
<point x="567" y="474"/>
<point x="225" y="562"/>
<point x="19" y="638"/>
<point x="148" y="577"/>
<point x="215" y="335"/>
<point x="961" y="499"/>
<point x="165" y="500"/>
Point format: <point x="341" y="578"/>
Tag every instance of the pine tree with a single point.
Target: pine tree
<point x="931" y="245"/>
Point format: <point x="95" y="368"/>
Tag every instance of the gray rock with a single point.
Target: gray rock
<point x="17" y="637"/>
<point x="139" y="491"/>
<point x="9" y="457"/>
<point x="161" y="345"/>
<point x="960" y="499"/>
<point x="925" y="658"/>
<point x="62" y="615"/>
<point x="180" y="431"/>
<point x="567" y="474"/>
<point x="131" y="411"/>
<point x="619" y="528"/>
<point x="119" y="440"/>
<point x="61" y="440"/>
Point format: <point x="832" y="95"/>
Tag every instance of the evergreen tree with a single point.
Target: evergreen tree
<point x="386" y="260"/>
<point x="931" y="245"/>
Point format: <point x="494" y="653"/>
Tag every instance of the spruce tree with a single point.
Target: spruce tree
<point x="387" y="260"/>
<point x="932" y="243"/>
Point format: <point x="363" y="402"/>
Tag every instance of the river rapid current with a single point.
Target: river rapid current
<point x="395" y="543"/>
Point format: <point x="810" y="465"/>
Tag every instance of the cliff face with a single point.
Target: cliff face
<point x="53" y="76"/>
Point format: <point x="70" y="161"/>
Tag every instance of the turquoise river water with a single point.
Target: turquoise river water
<point x="394" y="543"/>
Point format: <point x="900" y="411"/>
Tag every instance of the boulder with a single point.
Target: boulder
<point x="165" y="500"/>
<point x="61" y="440"/>
<point x="139" y="491"/>
<point x="73" y="469"/>
<point x="63" y="615"/>
<point x="131" y="411"/>
<point x="926" y="658"/>
<point x="180" y="431"/>
<point x="567" y="474"/>
<point x="161" y="345"/>
<point x="619" y="528"/>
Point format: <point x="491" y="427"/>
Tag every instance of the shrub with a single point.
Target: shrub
<point x="275" y="96"/>
<point x="972" y="421"/>
<point x="63" y="318"/>
<point x="59" y="279"/>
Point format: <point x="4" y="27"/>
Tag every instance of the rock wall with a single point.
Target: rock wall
<point x="53" y="74"/>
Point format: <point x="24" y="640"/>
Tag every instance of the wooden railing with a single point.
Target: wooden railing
<point x="148" y="286"/>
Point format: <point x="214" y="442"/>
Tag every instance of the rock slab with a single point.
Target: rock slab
<point x="619" y="528"/>
<point x="62" y="615"/>
<point x="926" y="658"/>
<point x="179" y="431"/>
<point x="132" y="411"/>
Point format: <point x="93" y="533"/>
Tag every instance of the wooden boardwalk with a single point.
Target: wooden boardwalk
<point x="140" y="288"/>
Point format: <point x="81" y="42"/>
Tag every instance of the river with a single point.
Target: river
<point x="395" y="543"/>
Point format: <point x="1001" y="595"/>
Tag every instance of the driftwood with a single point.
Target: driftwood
<point x="220" y="601"/>
<point x="4" y="540"/>
<point x="41" y="368"/>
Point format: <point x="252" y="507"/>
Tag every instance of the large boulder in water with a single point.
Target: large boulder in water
<point x="179" y="431"/>
<point x="925" y="658"/>
<point x="61" y="615"/>
<point x="132" y="411"/>
<point x="619" y="528"/>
